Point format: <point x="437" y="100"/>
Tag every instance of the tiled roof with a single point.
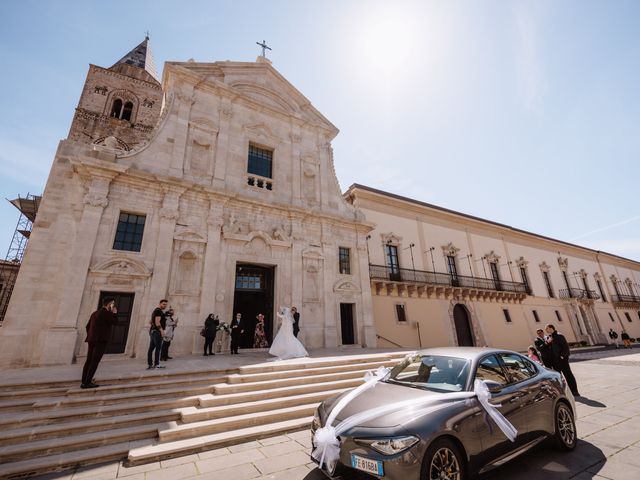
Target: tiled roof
<point x="141" y="57"/>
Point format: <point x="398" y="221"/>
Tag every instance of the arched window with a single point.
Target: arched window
<point x="117" y="108"/>
<point x="126" y="111"/>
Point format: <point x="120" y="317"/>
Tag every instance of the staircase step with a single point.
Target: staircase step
<point x="193" y="414"/>
<point x="303" y="372"/>
<point x="62" y="461"/>
<point x="225" y="388"/>
<point x="39" y="448"/>
<point x="87" y="425"/>
<point x="312" y="363"/>
<point x="241" y="397"/>
<point x="236" y="422"/>
<point x="19" y="420"/>
<point x="164" y="451"/>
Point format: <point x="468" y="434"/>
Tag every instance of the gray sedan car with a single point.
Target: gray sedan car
<point x="458" y="439"/>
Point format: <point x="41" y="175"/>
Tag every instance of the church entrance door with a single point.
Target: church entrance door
<point x="463" y="326"/>
<point x="253" y="295"/>
<point x="346" y="323"/>
<point x="119" y="332"/>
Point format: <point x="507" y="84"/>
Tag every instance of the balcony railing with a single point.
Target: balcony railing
<point x="383" y="272"/>
<point x="626" y="300"/>
<point x="579" y="294"/>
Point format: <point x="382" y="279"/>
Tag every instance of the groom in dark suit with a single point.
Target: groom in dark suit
<point x="296" y="321"/>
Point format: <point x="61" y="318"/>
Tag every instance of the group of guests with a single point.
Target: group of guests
<point x="161" y="330"/>
<point x="552" y="350"/>
<point x="626" y="340"/>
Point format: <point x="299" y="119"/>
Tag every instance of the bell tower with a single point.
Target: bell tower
<point x="123" y="102"/>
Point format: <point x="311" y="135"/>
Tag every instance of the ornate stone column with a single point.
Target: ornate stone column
<point x="60" y="341"/>
<point x="211" y="261"/>
<point x="167" y="216"/>
<point x="222" y="145"/>
<point x="366" y="313"/>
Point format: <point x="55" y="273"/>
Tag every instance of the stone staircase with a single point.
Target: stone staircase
<point x="55" y="425"/>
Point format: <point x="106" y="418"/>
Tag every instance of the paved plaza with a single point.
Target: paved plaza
<point x="608" y="428"/>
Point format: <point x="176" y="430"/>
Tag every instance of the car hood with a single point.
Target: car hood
<point x="381" y="395"/>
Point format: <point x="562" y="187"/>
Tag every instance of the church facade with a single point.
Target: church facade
<point x="223" y="200"/>
<point x="215" y="188"/>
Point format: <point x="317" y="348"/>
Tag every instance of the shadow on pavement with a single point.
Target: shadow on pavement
<point x="542" y="463"/>
<point x="590" y="403"/>
<point x="547" y="463"/>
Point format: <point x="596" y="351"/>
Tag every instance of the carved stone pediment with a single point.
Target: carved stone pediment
<point x="492" y="257"/>
<point x="390" y="239"/>
<point x="545" y="267"/>
<point x="266" y="96"/>
<point x="563" y="263"/>
<point x="345" y="286"/>
<point x="189" y="235"/>
<point x="121" y="266"/>
<point x="450" y="250"/>
<point x="312" y="253"/>
<point x="262" y="133"/>
<point x="521" y="262"/>
<point x="256" y="234"/>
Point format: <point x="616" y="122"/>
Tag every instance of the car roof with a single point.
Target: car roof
<point x="470" y="353"/>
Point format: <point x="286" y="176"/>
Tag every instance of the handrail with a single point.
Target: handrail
<point x="579" y="293"/>
<point x="625" y="299"/>
<point x="390" y="341"/>
<point x="395" y="274"/>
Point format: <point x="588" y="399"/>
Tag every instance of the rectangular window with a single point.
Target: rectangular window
<point x="547" y="282"/>
<point x="535" y="316"/>
<point x="611" y="317"/>
<point x="558" y="316"/>
<point x="129" y="232"/>
<point x="604" y="298"/>
<point x="392" y="260"/>
<point x="525" y="279"/>
<point x="451" y="267"/>
<point x="400" y="312"/>
<point x="626" y="314"/>
<point x="260" y="161"/>
<point x="507" y="316"/>
<point x="566" y="282"/>
<point x="344" y="259"/>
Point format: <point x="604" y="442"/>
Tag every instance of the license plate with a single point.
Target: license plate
<point x="367" y="465"/>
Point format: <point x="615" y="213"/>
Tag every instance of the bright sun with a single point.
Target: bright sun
<point x="388" y="38"/>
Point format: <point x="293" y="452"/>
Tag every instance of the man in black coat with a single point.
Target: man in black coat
<point x="561" y="352"/>
<point x="237" y="329"/>
<point x="296" y="321"/>
<point x="98" y="336"/>
<point x="544" y="348"/>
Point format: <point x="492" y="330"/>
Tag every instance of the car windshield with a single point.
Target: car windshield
<point x="431" y="372"/>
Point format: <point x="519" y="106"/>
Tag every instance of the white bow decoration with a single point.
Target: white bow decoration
<point x="325" y="440"/>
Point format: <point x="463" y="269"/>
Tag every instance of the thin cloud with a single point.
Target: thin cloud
<point x="533" y="84"/>
<point x="608" y="227"/>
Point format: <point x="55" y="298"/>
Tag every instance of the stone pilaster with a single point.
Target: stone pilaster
<point x="211" y="261"/>
<point x="222" y="145"/>
<point x="365" y="315"/>
<point x="61" y="334"/>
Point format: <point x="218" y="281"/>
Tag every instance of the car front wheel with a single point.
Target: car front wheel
<point x="565" y="436"/>
<point x="443" y="461"/>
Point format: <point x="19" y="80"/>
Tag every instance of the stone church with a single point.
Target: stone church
<point x="214" y="188"/>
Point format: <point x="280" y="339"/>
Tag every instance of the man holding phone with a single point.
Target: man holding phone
<point x="98" y="336"/>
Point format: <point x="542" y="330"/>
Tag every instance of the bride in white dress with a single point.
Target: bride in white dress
<point x="286" y="345"/>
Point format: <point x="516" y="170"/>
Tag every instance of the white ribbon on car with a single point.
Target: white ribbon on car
<point x="325" y="440"/>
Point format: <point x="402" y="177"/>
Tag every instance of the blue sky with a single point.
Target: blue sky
<point x="523" y="112"/>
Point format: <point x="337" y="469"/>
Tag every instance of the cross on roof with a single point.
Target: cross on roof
<point x="264" y="47"/>
<point x="147" y="34"/>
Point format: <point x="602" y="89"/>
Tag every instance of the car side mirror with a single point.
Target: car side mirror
<point x="494" y="387"/>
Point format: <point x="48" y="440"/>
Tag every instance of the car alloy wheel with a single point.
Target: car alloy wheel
<point x="565" y="428"/>
<point x="443" y="461"/>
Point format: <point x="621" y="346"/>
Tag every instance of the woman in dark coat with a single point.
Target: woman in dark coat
<point x="210" y="328"/>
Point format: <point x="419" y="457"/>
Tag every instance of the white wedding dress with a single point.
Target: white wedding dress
<point x="286" y="345"/>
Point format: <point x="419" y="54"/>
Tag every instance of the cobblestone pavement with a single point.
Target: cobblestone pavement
<point x="608" y="428"/>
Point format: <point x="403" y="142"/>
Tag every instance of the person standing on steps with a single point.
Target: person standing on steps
<point x="210" y="328"/>
<point x="98" y="336"/>
<point x="296" y="321"/>
<point x="560" y="351"/>
<point x="169" y="330"/>
<point x="236" y="333"/>
<point x="156" y="332"/>
<point x="259" y="336"/>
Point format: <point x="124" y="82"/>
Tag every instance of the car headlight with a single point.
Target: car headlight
<point x="389" y="446"/>
<point x="315" y="423"/>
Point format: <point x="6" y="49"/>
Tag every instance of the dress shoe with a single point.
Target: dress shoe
<point x="85" y="385"/>
<point x="169" y="358"/>
<point x="150" y="367"/>
<point x="93" y="385"/>
<point x="160" y="366"/>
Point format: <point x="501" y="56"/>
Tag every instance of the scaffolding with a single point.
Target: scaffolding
<point x="28" y="207"/>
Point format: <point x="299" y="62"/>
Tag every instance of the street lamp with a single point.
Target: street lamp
<point x="413" y="265"/>
<point x="433" y="266"/>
